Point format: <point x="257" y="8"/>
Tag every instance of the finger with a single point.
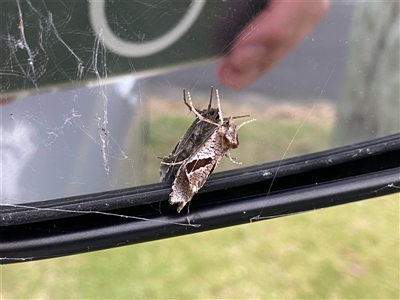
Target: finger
<point x="271" y="36"/>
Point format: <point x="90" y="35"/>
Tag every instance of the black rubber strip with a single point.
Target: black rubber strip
<point x="100" y="221"/>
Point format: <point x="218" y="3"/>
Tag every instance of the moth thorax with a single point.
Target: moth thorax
<point x="213" y="114"/>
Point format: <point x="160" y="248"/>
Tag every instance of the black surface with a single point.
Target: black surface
<point x="309" y="182"/>
<point x="66" y="44"/>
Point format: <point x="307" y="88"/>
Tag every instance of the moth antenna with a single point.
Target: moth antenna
<point x="197" y="113"/>
<point x="211" y="93"/>
<point x="244" y="123"/>
<point x="221" y="119"/>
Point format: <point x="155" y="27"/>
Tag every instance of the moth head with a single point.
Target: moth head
<point x="213" y="115"/>
<point x="230" y="134"/>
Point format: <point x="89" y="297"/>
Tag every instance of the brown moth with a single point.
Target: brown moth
<point x="190" y="141"/>
<point x="198" y="166"/>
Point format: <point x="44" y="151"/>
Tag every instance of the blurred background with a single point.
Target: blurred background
<point x="106" y="125"/>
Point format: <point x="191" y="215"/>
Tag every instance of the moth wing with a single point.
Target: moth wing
<point x="167" y="171"/>
<point x="181" y="191"/>
<point x="199" y="172"/>
<point x="197" y="133"/>
<point x="199" y="166"/>
<point x="190" y="178"/>
<point x="194" y="172"/>
<point x="205" y="129"/>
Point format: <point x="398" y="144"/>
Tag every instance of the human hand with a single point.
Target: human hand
<point x="267" y="39"/>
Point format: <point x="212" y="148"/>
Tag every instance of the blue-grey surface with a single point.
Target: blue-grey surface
<point x="314" y="69"/>
<point x="88" y="139"/>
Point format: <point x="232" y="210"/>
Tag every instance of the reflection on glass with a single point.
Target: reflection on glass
<point x="369" y="105"/>
<point x="109" y="136"/>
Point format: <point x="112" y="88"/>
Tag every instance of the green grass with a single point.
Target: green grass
<point x="345" y="252"/>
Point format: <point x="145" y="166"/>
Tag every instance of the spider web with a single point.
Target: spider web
<point x="90" y="132"/>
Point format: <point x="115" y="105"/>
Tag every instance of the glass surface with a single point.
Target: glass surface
<point x="71" y="125"/>
<point x="85" y="128"/>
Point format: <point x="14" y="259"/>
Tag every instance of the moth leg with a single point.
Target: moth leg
<point x="184" y="100"/>
<point x="188" y="212"/>
<point x="171" y="156"/>
<point x="228" y="156"/>
<point x="181" y="205"/>
<point x="199" y="115"/>
<point x="173" y="164"/>
<point x="232" y="159"/>
<point x="164" y="157"/>
<point x="242" y="116"/>
<point x="244" y="123"/>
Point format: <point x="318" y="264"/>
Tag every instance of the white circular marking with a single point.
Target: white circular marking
<point x="98" y="19"/>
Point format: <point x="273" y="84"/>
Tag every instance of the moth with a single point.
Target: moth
<point x="190" y="141"/>
<point x="194" y="170"/>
